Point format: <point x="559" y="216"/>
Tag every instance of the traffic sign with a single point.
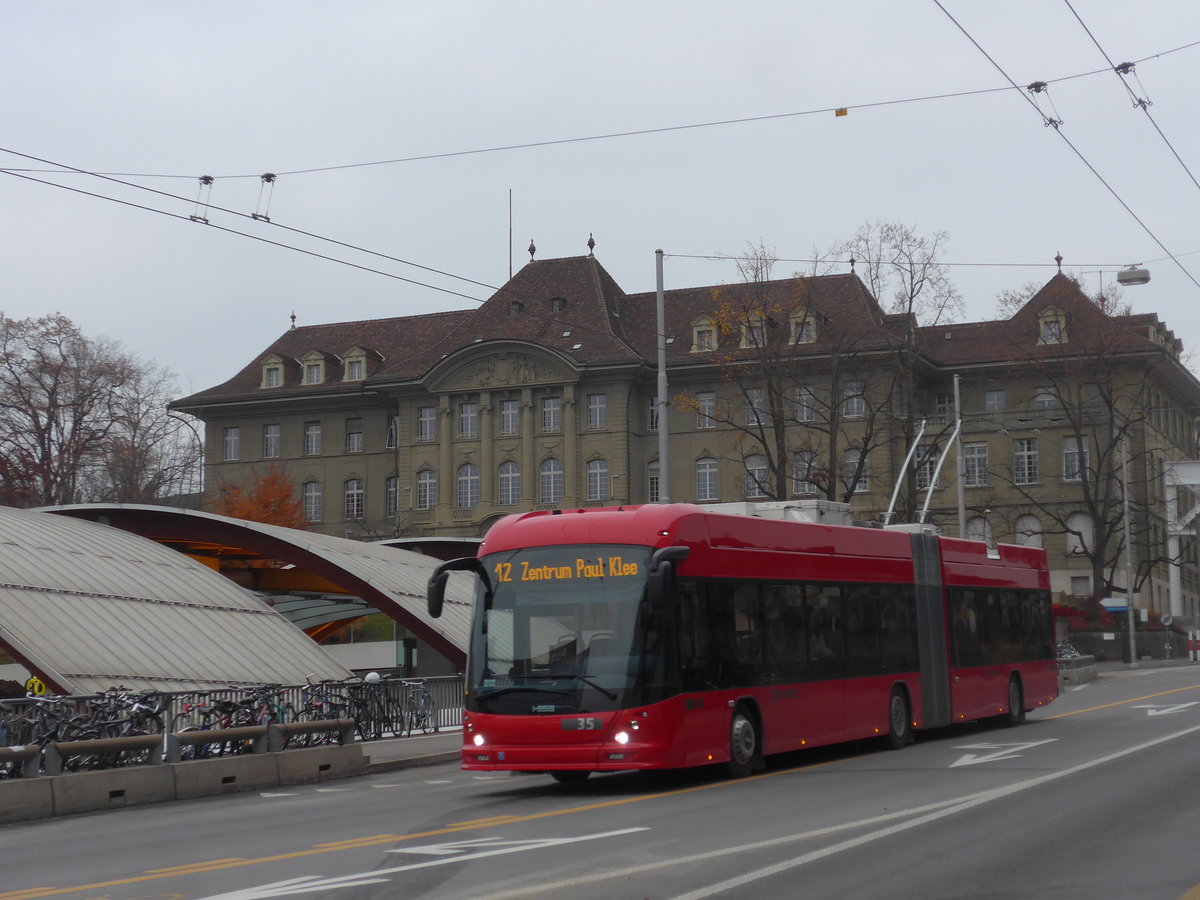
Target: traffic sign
<point x="1115" y="604"/>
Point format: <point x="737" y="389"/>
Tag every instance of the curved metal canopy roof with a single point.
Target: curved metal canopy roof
<point x="386" y="578"/>
<point x="87" y="607"/>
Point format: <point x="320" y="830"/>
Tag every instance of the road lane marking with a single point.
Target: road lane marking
<point x="1003" y="751"/>
<point x="307" y="884"/>
<point x="1077" y="712"/>
<point x="925" y="814"/>
<point x="1164" y="709"/>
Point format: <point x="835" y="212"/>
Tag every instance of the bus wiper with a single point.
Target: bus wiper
<point x="605" y="691"/>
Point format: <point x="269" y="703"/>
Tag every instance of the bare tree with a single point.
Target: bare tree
<point x="76" y="417"/>
<point x="805" y="387"/>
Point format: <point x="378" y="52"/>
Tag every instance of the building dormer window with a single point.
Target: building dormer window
<point x="754" y="331"/>
<point x="314" y="373"/>
<point x="704" y="335"/>
<point x="1052" y="326"/>
<point x="354" y="369"/>
<point x="804" y="329"/>
<point x="272" y="376"/>
<point x="558" y="305"/>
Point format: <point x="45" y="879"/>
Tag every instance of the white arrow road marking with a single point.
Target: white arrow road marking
<point x="307" y="884"/>
<point x="1165" y="709"/>
<point x="1002" y="751"/>
<point x="268" y="794"/>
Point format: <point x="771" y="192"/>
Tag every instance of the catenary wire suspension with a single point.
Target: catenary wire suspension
<point x="267" y="187"/>
<point x="202" y="197"/>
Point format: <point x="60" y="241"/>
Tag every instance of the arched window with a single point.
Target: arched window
<point x="1027" y="531"/>
<point x="311" y="492"/>
<point x="550" y="481"/>
<point x="706" y="480"/>
<point x="426" y="489"/>
<point x="756" y="477"/>
<point x="510" y="484"/>
<point x="979" y="529"/>
<point x="467" y="482"/>
<point x="1079" y="533"/>
<point x="391" y="496"/>
<point x="597" y="479"/>
<point x="354" y="498"/>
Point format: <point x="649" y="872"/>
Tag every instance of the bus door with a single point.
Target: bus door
<point x="822" y="696"/>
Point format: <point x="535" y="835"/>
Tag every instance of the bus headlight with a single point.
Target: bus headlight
<point x="621" y="737"/>
<point x="478" y="740"/>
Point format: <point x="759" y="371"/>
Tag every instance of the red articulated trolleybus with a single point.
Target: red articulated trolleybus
<point x="666" y="636"/>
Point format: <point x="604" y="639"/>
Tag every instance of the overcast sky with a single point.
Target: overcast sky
<point x="235" y="90"/>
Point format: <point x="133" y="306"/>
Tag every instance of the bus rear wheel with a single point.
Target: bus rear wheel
<point x="570" y="776"/>
<point x="1016" y="704"/>
<point x="899" y="720"/>
<point x="744" y="747"/>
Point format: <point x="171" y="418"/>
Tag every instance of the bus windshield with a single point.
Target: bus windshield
<point x="563" y="631"/>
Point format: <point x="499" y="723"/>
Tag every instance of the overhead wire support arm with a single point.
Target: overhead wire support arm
<point x="887" y="516"/>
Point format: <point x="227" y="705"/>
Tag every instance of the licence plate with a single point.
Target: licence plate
<point x="581" y="723"/>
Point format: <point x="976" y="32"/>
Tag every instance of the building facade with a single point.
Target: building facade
<point x="545" y="397"/>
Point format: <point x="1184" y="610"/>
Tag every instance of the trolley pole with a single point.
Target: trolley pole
<point x="664" y="463"/>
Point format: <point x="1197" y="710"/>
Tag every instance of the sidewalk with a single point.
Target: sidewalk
<point x="391" y="754"/>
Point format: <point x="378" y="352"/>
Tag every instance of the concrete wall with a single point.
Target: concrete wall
<point x="22" y="799"/>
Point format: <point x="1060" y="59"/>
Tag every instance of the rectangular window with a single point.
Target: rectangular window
<point x="393" y="433"/>
<point x="273" y="376"/>
<point x="806" y="405"/>
<point x="706" y="480"/>
<point x="975" y="465"/>
<point x="354" y="436"/>
<point x="926" y="460"/>
<point x="705" y="339"/>
<point x="597" y="412"/>
<point x="551" y="415"/>
<point x="312" y="438"/>
<point x="1075" y="458"/>
<point x="427" y="424"/>
<point x="854" y="405"/>
<point x="271" y="442"/>
<point x="426" y="489"/>
<point x="993" y="401"/>
<point x="706" y="410"/>
<point x="468" y="420"/>
<point x="597" y="479"/>
<point x="232" y="443"/>
<point x="510" y="417"/>
<point x="756" y="477"/>
<point x="312" y="373"/>
<point x="803" y="332"/>
<point x="1025" y="461"/>
<point x="943" y="404"/>
<point x="652" y="409"/>
<point x="354" y="370"/>
<point x="312" y="500"/>
<point x="652" y="481"/>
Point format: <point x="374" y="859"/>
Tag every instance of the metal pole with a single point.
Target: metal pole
<point x="664" y="464"/>
<point x="962" y="506"/>
<point x="1131" y="618"/>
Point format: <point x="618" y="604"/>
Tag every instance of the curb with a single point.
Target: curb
<point x="412" y="762"/>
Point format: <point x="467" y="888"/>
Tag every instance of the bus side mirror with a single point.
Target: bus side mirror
<point x="662" y="571"/>
<point x="435" y="589"/>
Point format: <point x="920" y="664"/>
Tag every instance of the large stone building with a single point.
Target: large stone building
<point x="544" y="397"/>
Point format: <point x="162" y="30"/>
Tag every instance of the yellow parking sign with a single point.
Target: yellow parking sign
<point x="35" y="685"/>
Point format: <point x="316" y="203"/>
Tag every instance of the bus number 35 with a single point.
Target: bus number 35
<point x="580" y="723"/>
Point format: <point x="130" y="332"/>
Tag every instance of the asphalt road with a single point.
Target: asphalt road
<point x="1095" y="797"/>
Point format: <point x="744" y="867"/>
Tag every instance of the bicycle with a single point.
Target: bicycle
<point x="420" y="708"/>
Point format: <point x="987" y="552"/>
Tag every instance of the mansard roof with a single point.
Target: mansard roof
<point x="573" y="306"/>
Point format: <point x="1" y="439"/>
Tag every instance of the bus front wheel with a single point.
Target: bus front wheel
<point x="899" y="720"/>
<point x="743" y="743"/>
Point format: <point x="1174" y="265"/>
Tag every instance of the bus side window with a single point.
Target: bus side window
<point x="786" y="658"/>
<point x="826" y="636"/>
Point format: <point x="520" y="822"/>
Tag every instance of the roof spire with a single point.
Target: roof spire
<point x="852" y="265"/>
<point x="293" y="319"/>
<point x="532" y="249"/>
<point x="1058" y="259"/>
<point x="591" y="243"/>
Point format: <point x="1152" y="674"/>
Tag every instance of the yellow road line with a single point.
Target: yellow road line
<point x="1106" y="705"/>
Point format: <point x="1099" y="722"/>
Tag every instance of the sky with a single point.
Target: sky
<point x="393" y="129"/>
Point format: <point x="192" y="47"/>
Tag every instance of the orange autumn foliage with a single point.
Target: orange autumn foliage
<point x="271" y="498"/>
